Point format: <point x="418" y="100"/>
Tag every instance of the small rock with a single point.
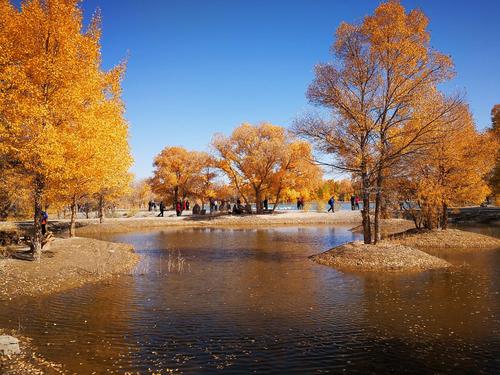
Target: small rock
<point x="9" y="345"/>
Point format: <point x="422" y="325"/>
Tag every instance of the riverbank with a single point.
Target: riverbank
<point x="449" y="238"/>
<point x="404" y="248"/>
<point x="356" y="256"/>
<point x="114" y="225"/>
<point x="28" y="361"/>
<point x="67" y="264"/>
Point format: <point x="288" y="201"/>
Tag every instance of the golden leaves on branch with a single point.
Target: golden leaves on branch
<point x="62" y="115"/>
<point x="266" y="161"/>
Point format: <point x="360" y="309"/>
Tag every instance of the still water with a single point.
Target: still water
<point x="249" y="300"/>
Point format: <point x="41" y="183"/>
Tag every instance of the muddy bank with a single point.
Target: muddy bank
<point x="66" y="264"/>
<point x="385" y="256"/>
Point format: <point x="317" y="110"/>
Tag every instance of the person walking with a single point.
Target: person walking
<point x="331" y="202"/>
<point x="356" y="202"/>
<point x="162" y="209"/>
<point x="178" y="208"/>
<point x="352" y="202"/>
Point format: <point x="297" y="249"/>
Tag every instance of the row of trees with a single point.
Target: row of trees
<point x="392" y="128"/>
<point x="62" y="130"/>
<point x="259" y="162"/>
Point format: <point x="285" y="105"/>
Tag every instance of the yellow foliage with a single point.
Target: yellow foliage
<point x="266" y="161"/>
<point x="62" y="116"/>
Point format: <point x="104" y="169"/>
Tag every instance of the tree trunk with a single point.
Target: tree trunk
<point x="37" y="227"/>
<point x="378" y="208"/>
<point x="276" y="200"/>
<point x="258" y="203"/>
<point x="73" y="218"/>
<point x="367" y="231"/>
<point x="444" y="217"/>
<point x="176" y="196"/>
<point x="100" y="207"/>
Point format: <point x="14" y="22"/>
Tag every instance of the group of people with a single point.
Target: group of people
<point x="237" y="208"/>
<point x="180" y="205"/>
<point x="354" y="202"/>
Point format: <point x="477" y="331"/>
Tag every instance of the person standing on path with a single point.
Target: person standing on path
<point x="356" y="201"/>
<point x="352" y="202"/>
<point x="43" y="222"/>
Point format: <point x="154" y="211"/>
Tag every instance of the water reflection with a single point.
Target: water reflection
<point x="250" y="300"/>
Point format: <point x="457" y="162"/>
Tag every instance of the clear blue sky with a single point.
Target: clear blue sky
<point x="197" y="67"/>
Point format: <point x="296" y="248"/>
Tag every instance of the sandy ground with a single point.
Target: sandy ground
<point x="356" y="256"/>
<point x="68" y="263"/>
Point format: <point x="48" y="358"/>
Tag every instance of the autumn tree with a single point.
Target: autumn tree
<point x="382" y="90"/>
<point x="264" y="160"/>
<point x="51" y="86"/>
<point x="494" y="178"/>
<point x="295" y="173"/>
<point x="340" y="189"/>
<point x="204" y="186"/>
<point x="449" y="174"/>
<point x="177" y="172"/>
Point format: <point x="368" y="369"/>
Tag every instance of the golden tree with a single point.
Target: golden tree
<point x="51" y="87"/>
<point x="177" y="172"/>
<point x="495" y="134"/>
<point x="382" y="90"/>
<point x="264" y="160"/>
<point x="203" y="185"/>
<point x="295" y="174"/>
<point x="452" y="172"/>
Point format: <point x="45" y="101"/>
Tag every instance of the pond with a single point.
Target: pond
<point x="249" y="300"/>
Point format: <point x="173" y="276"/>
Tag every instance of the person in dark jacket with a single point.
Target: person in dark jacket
<point x="162" y="209"/>
<point x="43" y="222"/>
<point x="331" y="203"/>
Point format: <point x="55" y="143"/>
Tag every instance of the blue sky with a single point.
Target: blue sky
<point x="197" y="67"/>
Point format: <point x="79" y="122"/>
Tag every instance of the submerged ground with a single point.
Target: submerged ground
<point x="242" y="300"/>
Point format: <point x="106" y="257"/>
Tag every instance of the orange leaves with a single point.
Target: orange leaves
<point x="180" y="173"/>
<point x="63" y="115"/>
<point x="266" y="160"/>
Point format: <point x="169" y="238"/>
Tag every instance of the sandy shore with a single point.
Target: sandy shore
<point x="67" y="264"/>
<point x="356" y="256"/>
